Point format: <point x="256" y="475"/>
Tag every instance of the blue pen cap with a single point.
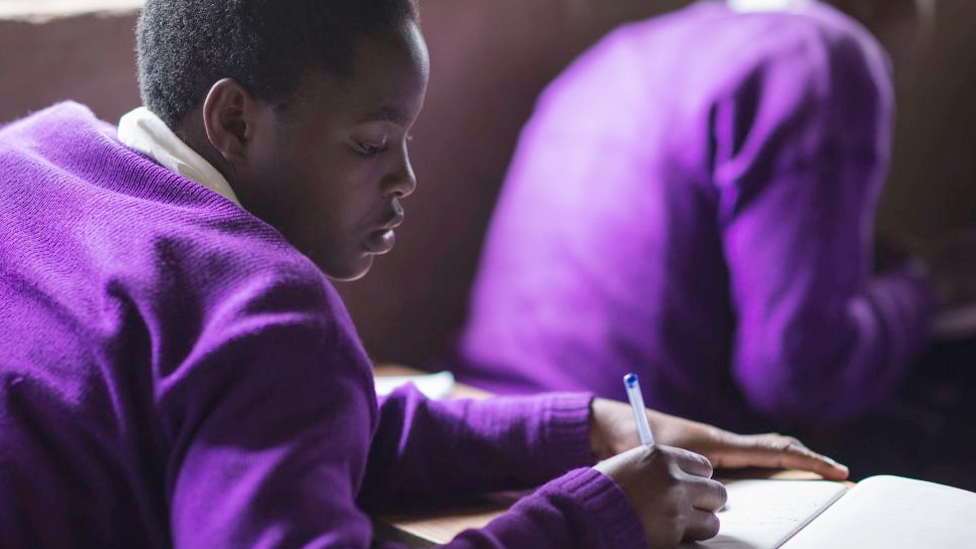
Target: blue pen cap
<point x="630" y="380"/>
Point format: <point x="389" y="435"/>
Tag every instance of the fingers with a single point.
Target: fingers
<point x="777" y="451"/>
<point x="671" y="490"/>
<point x="707" y="495"/>
<point x="692" y="463"/>
<point x="702" y="525"/>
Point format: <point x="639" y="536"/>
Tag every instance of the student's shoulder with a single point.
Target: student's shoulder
<point x="230" y="250"/>
<point x="707" y="48"/>
<point x="816" y="39"/>
<point x="141" y="219"/>
<point x="815" y="52"/>
<point x="711" y="35"/>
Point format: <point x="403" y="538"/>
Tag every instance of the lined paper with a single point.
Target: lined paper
<point x="763" y="514"/>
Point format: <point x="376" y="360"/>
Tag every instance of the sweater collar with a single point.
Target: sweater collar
<point x="145" y="132"/>
<point x="766" y="5"/>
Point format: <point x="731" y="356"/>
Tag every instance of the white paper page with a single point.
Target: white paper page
<point x="762" y="514"/>
<point x="894" y="513"/>
<point x="433" y="386"/>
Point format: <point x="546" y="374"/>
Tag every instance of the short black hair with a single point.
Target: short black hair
<point x="267" y="46"/>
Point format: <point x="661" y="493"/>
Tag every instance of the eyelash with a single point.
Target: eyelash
<point x="373" y="150"/>
<point x="370" y="150"/>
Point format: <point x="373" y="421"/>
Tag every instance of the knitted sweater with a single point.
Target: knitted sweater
<point x="174" y="374"/>
<point x="694" y="200"/>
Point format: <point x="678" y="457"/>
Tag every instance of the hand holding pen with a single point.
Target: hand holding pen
<point x="671" y="488"/>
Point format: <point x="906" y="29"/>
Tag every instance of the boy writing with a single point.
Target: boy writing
<point x="176" y="370"/>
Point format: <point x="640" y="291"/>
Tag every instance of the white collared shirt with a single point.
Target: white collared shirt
<point x="766" y="5"/>
<point x="145" y="132"/>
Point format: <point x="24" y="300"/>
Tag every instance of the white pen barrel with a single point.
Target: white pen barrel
<point x="632" y="384"/>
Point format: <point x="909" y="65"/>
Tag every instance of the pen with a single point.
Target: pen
<point x="632" y="384"/>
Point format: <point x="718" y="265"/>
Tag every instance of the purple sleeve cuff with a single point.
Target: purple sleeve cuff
<point x="607" y="513"/>
<point x="564" y="441"/>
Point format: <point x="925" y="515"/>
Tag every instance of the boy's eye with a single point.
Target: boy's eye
<point x="370" y="149"/>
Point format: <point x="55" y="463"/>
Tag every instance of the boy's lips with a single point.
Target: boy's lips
<point x="382" y="240"/>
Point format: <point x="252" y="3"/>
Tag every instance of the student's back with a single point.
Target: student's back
<point x="142" y="319"/>
<point x="693" y="200"/>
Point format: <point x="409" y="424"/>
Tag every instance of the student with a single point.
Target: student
<point x="176" y="371"/>
<point x="694" y="199"/>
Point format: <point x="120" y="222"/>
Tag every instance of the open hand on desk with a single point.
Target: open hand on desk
<point x="614" y="431"/>
<point x="672" y="491"/>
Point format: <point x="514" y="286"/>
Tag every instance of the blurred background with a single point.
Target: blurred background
<point x="490" y="59"/>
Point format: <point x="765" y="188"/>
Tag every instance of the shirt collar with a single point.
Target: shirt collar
<point x="766" y="5"/>
<point x="145" y="132"/>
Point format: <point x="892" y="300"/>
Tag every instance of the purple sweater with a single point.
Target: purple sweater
<point x="693" y="200"/>
<point x="174" y="374"/>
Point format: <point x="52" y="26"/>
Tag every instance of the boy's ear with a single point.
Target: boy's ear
<point x="228" y="118"/>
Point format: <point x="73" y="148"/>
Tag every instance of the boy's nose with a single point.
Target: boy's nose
<point x="403" y="182"/>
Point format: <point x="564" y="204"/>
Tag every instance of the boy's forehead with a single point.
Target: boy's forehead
<point x="390" y="73"/>
<point x="401" y="53"/>
<point x="388" y="81"/>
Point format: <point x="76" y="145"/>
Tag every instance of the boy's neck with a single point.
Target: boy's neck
<point x="191" y="130"/>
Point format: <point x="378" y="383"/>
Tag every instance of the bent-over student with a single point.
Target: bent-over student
<point x="694" y="198"/>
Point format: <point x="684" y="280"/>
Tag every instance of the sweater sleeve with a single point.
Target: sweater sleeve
<point x="801" y="153"/>
<point x="426" y="448"/>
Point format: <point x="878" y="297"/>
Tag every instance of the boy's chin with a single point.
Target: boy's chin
<point x="347" y="271"/>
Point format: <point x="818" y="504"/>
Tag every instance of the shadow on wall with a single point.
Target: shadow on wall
<point x="490" y="60"/>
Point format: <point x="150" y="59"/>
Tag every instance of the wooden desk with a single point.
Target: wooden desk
<point x="436" y="527"/>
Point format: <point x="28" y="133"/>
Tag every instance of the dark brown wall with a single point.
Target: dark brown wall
<point x="932" y="187"/>
<point x="490" y="59"/>
<point x="89" y="59"/>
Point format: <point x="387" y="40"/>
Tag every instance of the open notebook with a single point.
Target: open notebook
<point x="880" y="512"/>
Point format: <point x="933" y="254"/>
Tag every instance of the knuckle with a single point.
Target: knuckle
<point x="673" y="480"/>
<point x="786" y="444"/>
<point x="793" y="441"/>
